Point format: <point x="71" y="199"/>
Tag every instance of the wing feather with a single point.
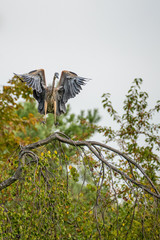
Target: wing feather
<point x="36" y="80"/>
<point x="72" y="85"/>
<point x="77" y="87"/>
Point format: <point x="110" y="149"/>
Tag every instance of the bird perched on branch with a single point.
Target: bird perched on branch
<point x="52" y="99"/>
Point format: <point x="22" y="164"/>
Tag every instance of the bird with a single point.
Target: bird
<point x="53" y="99"/>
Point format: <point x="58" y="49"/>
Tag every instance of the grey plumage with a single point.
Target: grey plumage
<point x="69" y="86"/>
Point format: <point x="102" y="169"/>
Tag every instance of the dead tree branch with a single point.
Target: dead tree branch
<point x="92" y="147"/>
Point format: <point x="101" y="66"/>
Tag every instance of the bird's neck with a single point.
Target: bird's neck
<point x="53" y="85"/>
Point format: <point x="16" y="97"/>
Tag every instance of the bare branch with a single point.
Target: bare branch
<point x="91" y="145"/>
<point x="12" y="179"/>
<point x="16" y="176"/>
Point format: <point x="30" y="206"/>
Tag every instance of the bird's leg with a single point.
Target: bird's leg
<point x="45" y="109"/>
<point x="55" y="110"/>
<point x="54" y="102"/>
<point x="54" y="98"/>
<point x="45" y="112"/>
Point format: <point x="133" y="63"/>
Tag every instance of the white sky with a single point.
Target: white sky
<point x="110" y="41"/>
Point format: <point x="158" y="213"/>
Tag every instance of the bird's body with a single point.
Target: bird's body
<point x="52" y="99"/>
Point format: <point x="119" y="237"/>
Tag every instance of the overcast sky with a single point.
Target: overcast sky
<point x="110" y="41"/>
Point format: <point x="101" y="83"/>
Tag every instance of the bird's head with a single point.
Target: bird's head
<point x="56" y="75"/>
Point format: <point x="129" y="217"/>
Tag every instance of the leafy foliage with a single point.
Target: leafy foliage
<point x="11" y="123"/>
<point x="66" y="193"/>
<point x="137" y="135"/>
<point x="22" y="124"/>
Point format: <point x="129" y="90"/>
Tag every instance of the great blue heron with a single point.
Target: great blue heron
<point x="52" y="99"/>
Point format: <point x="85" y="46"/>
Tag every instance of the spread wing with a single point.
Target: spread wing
<point x="70" y="85"/>
<point x="36" y="80"/>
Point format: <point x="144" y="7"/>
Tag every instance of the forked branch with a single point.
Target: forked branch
<point x="92" y="146"/>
